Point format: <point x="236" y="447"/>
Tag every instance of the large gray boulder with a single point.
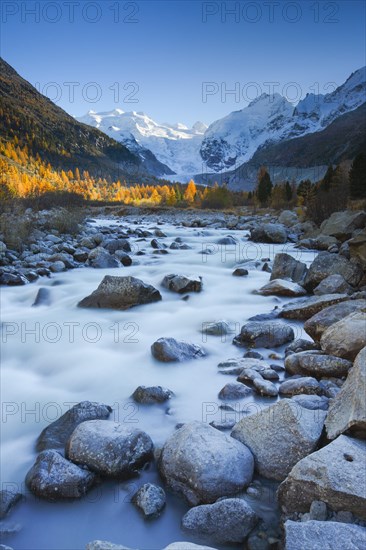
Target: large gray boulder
<point x="287" y="267"/>
<point x="282" y="287"/>
<point x="267" y="334"/>
<point x="202" y="464"/>
<point x="109" y="448"/>
<point x="347" y="410"/>
<point x="342" y="224"/>
<point x="333" y="284"/>
<point x="288" y="218"/>
<point x="152" y="394"/>
<point x="303" y="385"/>
<point x="56" y="434"/>
<point x="326" y="264"/>
<point x="171" y="350"/>
<point x="317" y="364"/>
<point x="269" y="233"/>
<point x="306" y="308"/>
<point x="102" y="259"/>
<point x="121" y="293"/>
<point x="347" y="337"/>
<point x="227" y="521"/>
<point x="357" y="248"/>
<point x="279" y="436"/>
<point x="335" y="474"/>
<point x="182" y="283"/>
<point x="318" y="323"/>
<point x="53" y="477"/>
<point x="324" y="535"/>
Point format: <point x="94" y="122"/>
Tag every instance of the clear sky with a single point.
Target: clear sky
<point x="178" y="60"/>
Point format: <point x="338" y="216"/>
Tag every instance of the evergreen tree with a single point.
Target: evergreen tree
<point x="326" y="182"/>
<point x="357" y="177"/>
<point x="264" y="187"/>
<point x="288" y="191"/>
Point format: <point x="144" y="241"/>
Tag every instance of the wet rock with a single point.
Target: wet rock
<point x="357" y="248"/>
<point x="287" y="267"/>
<point x="153" y="394"/>
<point x="218" y="328"/>
<point x="281" y="287"/>
<point x="297" y="386"/>
<point x="317" y="364"/>
<point x="253" y="354"/>
<point x="269" y="233"/>
<point x="114" y="245"/>
<point x="223" y="424"/>
<point x="12" y="278"/>
<point x="171" y="350"/>
<point x="8" y="499"/>
<point x="228" y="240"/>
<point x="288" y="218"/>
<point x="102" y="259"/>
<point x="312" y="402"/>
<point x="333" y="284"/>
<point x="326" y="264"/>
<point x="150" y="499"/>
<point x="323" y="535"/>
<point x="347" y="337"/>
<point x="123" y="257"/>
<point x="329" y="388"/>
<point x="109" y="448"/>
<point x="157" y="244"/>
<point x="304" y="309"/>
<point x="302" y="345"/>
<point x="43" y="298"/>
<point x="53" y="477"/>
<point x="240" y="272"/>
<point x="203" y="464"/>
<point x="57" y="267"/>
<point x="233" y="391"/>
<point x="56" y="434"/>
<point x="121" y="293"/>
<point x="347" y="410"/>
<point x="81" y="254"/>
<point x="267" y="334"/>
<point x="227" y="521"/>
<point x="342" y="224"/>
<point x="335" y="474"/>
<point x="182" y="283"/>
<point x="8" y="529"/>
<point x="265" y="387"/>
<point x="318" y="323"/>
<point x="279" y="436"/>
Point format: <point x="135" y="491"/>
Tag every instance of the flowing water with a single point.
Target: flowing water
<point x="58" y="355"/>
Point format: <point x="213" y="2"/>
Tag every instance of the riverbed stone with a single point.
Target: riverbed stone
<point x="8" y="499"/>
<point x="233" y="391"/>
<point x="357" y="248"/>
<point x="282" y="287"/>
<point x="279" y="436"/>
<point x="333" y="284"/>
<point x="318" y="323"/>
<point x="182" y="283"/>
<point x="121" y="293"/>
<point x="323" y="535"/>
<point x="265" y="387"/>
<point x="347" y="337"/>
<point x="335" y="474"/>
<point x="312" y="402"/>
<point x="306" y="308"/>
<point x="347" y="411"/>
<point x="109" y="448"/>
<point x="172" y="350"/>
<point x="226" y="521"/>
<point x="53" y="477"/>
<point x="317" y="364"/>
<point x="326" y="264"/>
<point x="267" y="334"/>
<point x="342" y="224"/>
<point x="56" y="434"/>
<point x="269" y="233"/>
<point x="153" y="394"/>
<point x="150" y="499"/>
<point x="203" y="464"/>
<point x="303" y="385"/>
<point x="102" y="259"/>
<point x="287" y="267"/>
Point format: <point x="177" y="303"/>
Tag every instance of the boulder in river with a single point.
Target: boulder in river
<point x="318" y="323"/>
<point x="279" y="436"/>
<point x="202" y="464"/>
<point x="233" y="391"/>
<point x="317" y="364"/>
<point x="323" y="535"/>
<point x="109" y="448"/>
<point x="121" y="293"/>
<point x="8" y="499"/>
<point x="306" y="308"/>
<point x="326" y="264"/>
<point x="153" y="394"/>
<point x="357" y="248"/>
<point x="287" y="267"/>
<point x="150" y="499"/>
<point x="303" y="385"/>
<point x="53" y="477"/>
<point x="226" y="521"/>
<point x="267" y="334"/>
<point x="172" y="350"/>
<point x="335" y="474"/>
<point x="182" y="283"/>
<point x="333" y="284"/>
<point x="342" y="224"/>
<point x="347" y="337"/>
<point x="269" y="233"/>
<point x="347" y="410"/>
<point x="282" y="287"/>
<point x="56" y="434"/>
<point x="102" y="259"/>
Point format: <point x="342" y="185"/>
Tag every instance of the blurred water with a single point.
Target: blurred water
<point x="55" y="356"/>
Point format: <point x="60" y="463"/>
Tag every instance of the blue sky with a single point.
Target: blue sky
<point x="158" y="56"/>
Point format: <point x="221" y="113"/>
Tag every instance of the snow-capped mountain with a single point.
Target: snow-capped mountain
<point x="269" y="119"/>
<point x="174" y="145"/>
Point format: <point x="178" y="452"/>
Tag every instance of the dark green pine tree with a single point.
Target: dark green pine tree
<point x="264" y="189"/>
<point x="326" y="182"/>
<point x="288" y="191"/>
<point x="357" y="177"/>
